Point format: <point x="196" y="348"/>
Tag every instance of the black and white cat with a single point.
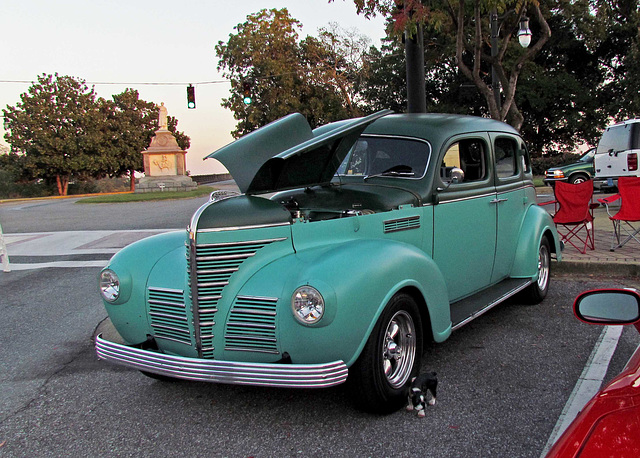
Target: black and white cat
<point x="422" y="392"/>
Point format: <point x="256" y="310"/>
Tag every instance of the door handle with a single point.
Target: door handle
<point x="497" y="201"/>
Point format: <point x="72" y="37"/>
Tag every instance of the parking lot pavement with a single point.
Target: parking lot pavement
<point x="68" y="248"/>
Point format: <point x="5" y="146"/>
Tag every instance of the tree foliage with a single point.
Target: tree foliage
<point x="586" y="74"/>
<point x="56" y="125"/>
<point x="317" y="77"/>
<point x="60" y="131"/>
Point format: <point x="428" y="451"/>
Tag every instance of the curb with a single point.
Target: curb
<point x="609" y="269"/>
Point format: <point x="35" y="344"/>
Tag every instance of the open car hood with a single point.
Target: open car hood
<point x="287" y="154"/>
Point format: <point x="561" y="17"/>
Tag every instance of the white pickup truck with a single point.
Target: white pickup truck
<point x="617" y="153"/>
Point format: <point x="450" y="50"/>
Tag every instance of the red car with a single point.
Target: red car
<point x="609" y="424"/>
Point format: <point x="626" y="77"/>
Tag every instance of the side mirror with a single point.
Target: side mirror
<point x="608" y="306"/>
<point x="457" y="175"/>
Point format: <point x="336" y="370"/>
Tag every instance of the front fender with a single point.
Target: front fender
<point x="356" y="279"/>
<point x="537" y="222"/>
<point x="133" y="265"/>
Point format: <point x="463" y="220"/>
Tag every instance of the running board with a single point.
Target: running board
<point x="472" y="307"/>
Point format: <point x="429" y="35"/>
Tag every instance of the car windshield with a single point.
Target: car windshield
<point x="588" y="156"/>
<point x="396" y="157"/>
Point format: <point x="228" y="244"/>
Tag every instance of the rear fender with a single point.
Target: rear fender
<point x="537" y="223"/>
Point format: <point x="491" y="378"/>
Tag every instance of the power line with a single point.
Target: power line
<point x="111" y="83"/>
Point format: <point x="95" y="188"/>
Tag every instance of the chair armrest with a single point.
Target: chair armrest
<point x="608" y="200"/>
<point x="547" y="203"/>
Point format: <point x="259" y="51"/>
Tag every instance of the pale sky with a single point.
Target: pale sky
<point x="133" y="41"/>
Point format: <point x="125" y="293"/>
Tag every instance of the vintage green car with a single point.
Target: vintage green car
<point x="383" y="231"/>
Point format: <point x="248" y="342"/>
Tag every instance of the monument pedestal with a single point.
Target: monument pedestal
<point x="164" y="162"/>
<point x="166" y="183"/>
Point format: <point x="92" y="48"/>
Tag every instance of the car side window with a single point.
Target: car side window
<point x="506" y="151"/>
<point x="526" y="160"/>
<point x="470" y="155"/>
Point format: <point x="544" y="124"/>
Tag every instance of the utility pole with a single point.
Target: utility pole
<point x="414" y="55"/>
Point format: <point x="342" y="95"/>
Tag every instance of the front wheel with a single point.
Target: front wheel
<point x="577" y="179"/>
<point x="381" y="376"/>
<point x="537" y="291"/>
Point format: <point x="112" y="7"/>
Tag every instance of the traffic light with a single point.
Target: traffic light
<point x="191" y="97"/>
<point x="246" y="92"/>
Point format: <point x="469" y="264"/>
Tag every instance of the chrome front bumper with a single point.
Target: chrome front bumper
<point x="235" y="373"/>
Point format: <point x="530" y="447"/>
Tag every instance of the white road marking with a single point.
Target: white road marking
<point x="59" y="264"/>
<point x="70" y="243"/>
<point x="589" y="382"/>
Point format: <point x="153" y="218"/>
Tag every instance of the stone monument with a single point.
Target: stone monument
<point x="164" y="161"/>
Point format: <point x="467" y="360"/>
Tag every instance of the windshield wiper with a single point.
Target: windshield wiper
<point x="395" y="171"/>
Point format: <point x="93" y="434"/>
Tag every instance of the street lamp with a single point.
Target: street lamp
<point x="524" y="34"/>
<point x="524" y="37"/>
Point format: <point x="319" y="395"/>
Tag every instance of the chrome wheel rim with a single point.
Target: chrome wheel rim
<point x="579" y="180"/>
<point x="399" y="349"/>
<point x="543" y="267"/>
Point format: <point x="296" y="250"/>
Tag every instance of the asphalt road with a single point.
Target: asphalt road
<point x="504" y="378"/>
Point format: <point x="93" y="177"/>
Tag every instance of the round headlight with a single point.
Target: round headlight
<point x="307" y="304"/>
<point x="109" y="285"/>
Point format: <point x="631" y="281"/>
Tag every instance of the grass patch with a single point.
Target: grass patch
<point x="147" y="196"/>
<point x="537" y="181"/>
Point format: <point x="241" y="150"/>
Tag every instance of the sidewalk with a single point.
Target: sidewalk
<point x="624" y="261"/>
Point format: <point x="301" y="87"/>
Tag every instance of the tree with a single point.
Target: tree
<point x="337" y="59"/>
<point x="56" y="126"/>
<point x="61" y="132"/>
<point x="469" y="23"/>
<point x="317" y="77"/>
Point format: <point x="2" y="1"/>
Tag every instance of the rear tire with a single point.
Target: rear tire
<point x="380" y="378"/>
<point x="537" y="291"/>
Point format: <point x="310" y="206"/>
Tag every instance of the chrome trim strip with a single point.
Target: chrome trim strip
<point x="173" y="304"/>
<point x="213" y="283"/>
<point x="253" y="311"/>
<point x="239" y="228"/>
<point x="245" y="325"/>
<point x="251" y="350"/>
<point x="236" y="373"/>
<point x="462" y="199"/>
<point x="172" y="340"/>
<point x="167" y="315"/>
<point x="488" y="307"/>
<point x="257" y="298"/>
<point x="247" y="242"/>
<point x="170" y="328"/>
<point x="225" y="257"/>
<point x="166" y="290"/>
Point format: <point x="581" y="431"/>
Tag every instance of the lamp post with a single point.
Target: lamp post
<point x="524" y="37"/>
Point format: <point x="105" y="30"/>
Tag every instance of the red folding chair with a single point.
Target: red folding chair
<point x="629" y="196"/>
<point x="574" y="214"/>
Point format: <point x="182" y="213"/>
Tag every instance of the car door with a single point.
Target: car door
<point x="511" y="200"/>
<point x="464" y="227"/>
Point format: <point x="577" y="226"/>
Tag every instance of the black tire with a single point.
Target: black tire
<point x="381" y="377"/>
<point x="537" y="291"/>
<point x="578" y="178"/>
<point x="162" y="378"/>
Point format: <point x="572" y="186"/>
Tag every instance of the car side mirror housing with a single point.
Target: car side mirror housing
<point x="457" y="175"/>
<point x="608" y="306"/>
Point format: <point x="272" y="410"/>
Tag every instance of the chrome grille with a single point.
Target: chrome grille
<point x="402" y="224"/>
<point x="214" y="265"/>
<point x="252" y="325"/>
<point x="169" y="315"/>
